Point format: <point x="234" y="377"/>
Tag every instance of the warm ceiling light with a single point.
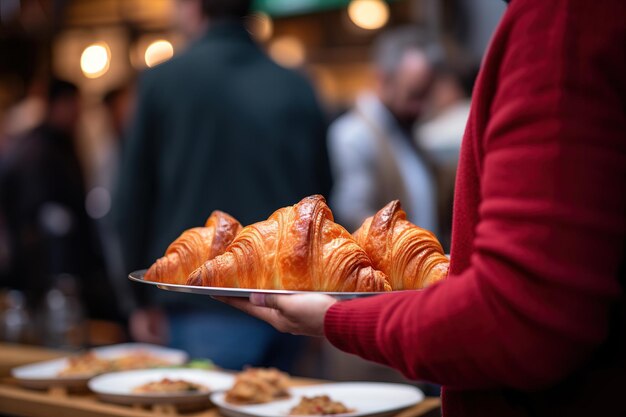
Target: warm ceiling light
<point x="95" y="60"/>
<point x="261" y="26"/>
<point x="158" y="51"/>
<point x="288" y="51"/>
<point x="368" y="14"/>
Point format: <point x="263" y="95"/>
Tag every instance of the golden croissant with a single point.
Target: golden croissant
<point x="411" y="257"/>
<point x="298" y="248"/>
<point x="193" y="248"/>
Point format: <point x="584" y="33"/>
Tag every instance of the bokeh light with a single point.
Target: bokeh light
<point x="158" y="52"/>
<point x="287" y="51"/>
<point x="98" y="202"/>
<point x="368" y="14"/>
<point x="95" y="60"/>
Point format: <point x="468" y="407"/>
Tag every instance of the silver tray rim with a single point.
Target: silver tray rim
<point x="137" y="276"/>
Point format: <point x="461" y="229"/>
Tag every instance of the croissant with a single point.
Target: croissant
<point x="298" y="248"/>
<point x="411" y="257"/>
<point x="193" y="248"/>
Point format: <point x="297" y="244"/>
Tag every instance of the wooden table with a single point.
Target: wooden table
<point x="18" y="401"/>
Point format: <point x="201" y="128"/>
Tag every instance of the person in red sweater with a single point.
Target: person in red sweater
<point x="532" y="318"/>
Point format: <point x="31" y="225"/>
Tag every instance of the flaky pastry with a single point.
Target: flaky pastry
<point x="194" y="247"/>
<point x="411" y="257"/>
<point x="299" y="247"/>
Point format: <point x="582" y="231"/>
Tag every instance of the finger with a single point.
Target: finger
<point x="274" y="301"/>
<point x="223" y="299"/>
<point x="237" y="302"/>
<point x="233" y="301"/>
<point x="271" y="316"/>
<point x="267" y="314"/>
<point x="258" y="299"/>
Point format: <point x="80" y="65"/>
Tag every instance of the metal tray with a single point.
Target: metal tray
<point x="137" y="276"/>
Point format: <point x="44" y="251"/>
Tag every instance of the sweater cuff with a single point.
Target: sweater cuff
<point x="352" y="327"/>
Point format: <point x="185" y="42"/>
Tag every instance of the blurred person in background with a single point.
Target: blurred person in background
<point x="373" y="156"/>
<point x="220" y="126"/>
<point x="118" y="105"/>
<point x="42" y="197"/>
<point x="440" y="134"/>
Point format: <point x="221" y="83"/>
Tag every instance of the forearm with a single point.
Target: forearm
<point x="464" y="333"/>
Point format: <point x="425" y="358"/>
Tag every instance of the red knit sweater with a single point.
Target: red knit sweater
<point x="531" y="318"/>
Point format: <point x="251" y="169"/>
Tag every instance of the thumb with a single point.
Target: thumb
<point x="265" y="300"/>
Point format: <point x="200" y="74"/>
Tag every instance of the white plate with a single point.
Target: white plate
<point x="46" y="374"/>
<point x="137" y="276"/>
<point x="118" y="387"/>
<point x="366" y="398"/>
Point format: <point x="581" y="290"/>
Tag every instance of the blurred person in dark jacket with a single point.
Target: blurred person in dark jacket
<point x="42" y="197"/>
<point x="117" y="104"/>
<point x="220" y="126"/>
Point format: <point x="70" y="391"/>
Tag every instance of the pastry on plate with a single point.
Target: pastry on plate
<point x="320" y="405"/>
<point x="411" y="257"/>
<point x="137" y="360"/>
<point x="299" y="247"/>
<point x="170" y="386"/>
<point x="86" y="364"/>
<point x="90" y="364"/>
<point x="257" y="386"/>
<point x="192" y="248"/>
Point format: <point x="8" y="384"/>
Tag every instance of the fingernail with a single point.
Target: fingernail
<point x="257" y="299"/>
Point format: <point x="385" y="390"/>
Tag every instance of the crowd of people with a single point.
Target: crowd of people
<point x="220" y="126"/>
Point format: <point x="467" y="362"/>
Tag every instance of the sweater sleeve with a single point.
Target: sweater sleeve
<point x="536" y="299"/>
